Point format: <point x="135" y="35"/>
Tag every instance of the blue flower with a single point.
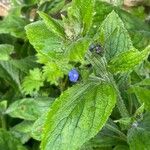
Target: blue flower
<point x="73" y="75"/>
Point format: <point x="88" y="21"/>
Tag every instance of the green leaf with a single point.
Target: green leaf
<point x="24" y="64"/>
<point x="52" y="24"/>
<point x="116" y="37"/>
<point x="10" y="73"/>
<point x="5" y="51"/>
<point x="51" y="6"/>
<point x="108" y="137"/>
<point x="121" y="147"/>
<point x="54" y="70"/>
<point x="3" y="106"/>
<point x="12" y="70"/>
<point x="143" y="96"/>
<point x="38" y="126"/>
<point x="128" y="60"/>
<point x="144" y="82"/>
<point x="138" y="137"/>
<point x="32" y="83"/>
<point x="22" y="131"/>
<point x="13" y="25"/>
<point x="9" y="142"/>
<point x="76" y="51"/>
<point x="78" y="115"/>
<point x="42" y="39"/>
<point x="118" y="42"/>
<point x="82" y="13"/>
<point x="29" y="108"/>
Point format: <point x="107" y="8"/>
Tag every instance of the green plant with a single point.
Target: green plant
<point x="88" y="85"/>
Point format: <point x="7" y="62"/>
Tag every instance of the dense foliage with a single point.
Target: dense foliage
<point x="74" y="75"/>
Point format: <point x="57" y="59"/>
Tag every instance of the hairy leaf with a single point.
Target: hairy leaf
<point x="5" y="51"/>
<point x="42" y="39"/>
<point x="38" y="126"/>
<point x="143" y="96"/>
<point x="9" y="142"/>
<point x="128" y="60"/>
<point x="54" y="70"/>
<point x="33" y="81"/>
<point x="22" y="131"/>
<point x="76" y="51"/>
<point x="138" y="137"/>
<point x="29" y="108"/>
<point x="82" y="12"/>
<point x="14" y="25"/>
<point x="116" y="37"/>
<point x="77" y="115"/>
<point x="52" y="24"/>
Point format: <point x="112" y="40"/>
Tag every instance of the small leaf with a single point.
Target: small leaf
<point x="29" y="108"/>
<point x="78" y="115"/>
<point x="56" y="69"/>
<point x="43" y="40"/>
<point x="5" y="51"/>
<point x="52" y="6"/>
<point x="10" y="73"/>
<point x="144" y="82"/>
<point x="143" y="96"/>
<point x="52" y="24"/>
<point x="38" y="126"/>
<point x="121" y="147"/>
<point x="13" y="24"/>
<point x="22" y="131"/>
<point x="116" y="38"/>
<point x="83" y="13"/>
<point x="3" y="106"/>
<point x="9" y="142"/>
<point x="126" y="61"/>
<point x="32" y="83"/>
<point x="76" y="51"/>
<point x="118" y="42"/>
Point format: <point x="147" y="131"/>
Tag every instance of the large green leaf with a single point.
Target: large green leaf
<point x="43" y="40"/>
<point x="77" y="115"/>
<point x="116" y="37"/>
<point x="126" y="61"/>
<point x="9" y="142"/>
<point x="29" y="108"/>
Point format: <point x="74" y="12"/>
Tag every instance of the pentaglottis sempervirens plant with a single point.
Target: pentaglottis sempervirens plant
<point x="85" y="83"/>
